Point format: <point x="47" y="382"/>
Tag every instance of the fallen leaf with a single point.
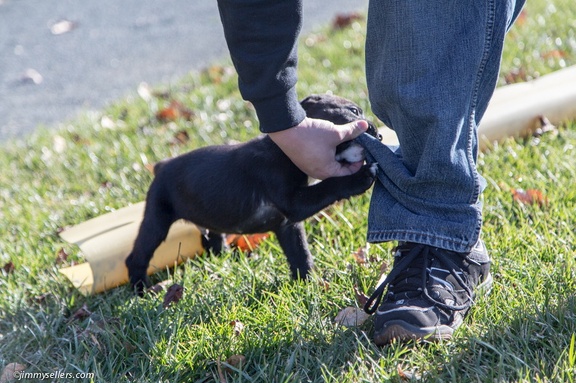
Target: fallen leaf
<point x="174" y="111"/>
<point x="218" y="74"/>
<point x="516" y="75"/>
<point x="82" y="313"/>
<point x="159" y="287"/>
<point x="39" y="299"/>
<point x="62" y="26"/>
<point x="406" y="375"/>
<point x="236" y="361"/>
<point x="361" y="255"/>
<point x="150" y="167"/>
<point x="61" y="256"/>
<point x="173" y="295"/>
<point x="10" y="372"/>
<point x="344" y="20"/>
<point x="351" y="317"/>
<point x="8" y="268"/>
<point x="180" y="137"/>
<point x="238" y="327"/>
<point x="522" y="17"/>
<point x="361" y="298"/>
<point x="545" y="126"/>
<point x="245" y="242"/>
<point x="554" y="54"/>
<point x="529" y="197"/>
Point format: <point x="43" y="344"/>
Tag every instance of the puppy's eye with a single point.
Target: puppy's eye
<point x="356" y="111"/>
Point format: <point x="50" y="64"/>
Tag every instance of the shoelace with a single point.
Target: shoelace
<point x="426" y="252"/>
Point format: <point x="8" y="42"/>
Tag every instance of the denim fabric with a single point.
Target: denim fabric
<point x="431" y="70"/>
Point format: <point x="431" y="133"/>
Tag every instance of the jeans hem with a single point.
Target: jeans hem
<point x="447" y="243"/>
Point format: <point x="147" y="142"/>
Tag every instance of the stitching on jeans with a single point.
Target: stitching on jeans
<point x="490" y="25"/>
<point x="488" y="42"/>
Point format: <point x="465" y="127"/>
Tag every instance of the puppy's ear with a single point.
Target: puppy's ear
<point x="310" y="101"/>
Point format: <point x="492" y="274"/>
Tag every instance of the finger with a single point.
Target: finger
<point x="352" y="130"/>
<point x="348" y="169"/>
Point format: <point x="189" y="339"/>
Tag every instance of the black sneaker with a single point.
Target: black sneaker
<point x="430" y="290"/>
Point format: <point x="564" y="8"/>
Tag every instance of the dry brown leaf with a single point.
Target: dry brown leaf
<point x="82" y="313"/>
<point x="545" y="127"/>
<point x="351" y="317"/>
<point x="217" y="73"/>
<point x="361" y="255"/>
<point x="238" y="327"/>
<point x="236" y="361"/>
<point x="181" y="137"/>
<point x="529" y="197"/>
<point x="361" y="298"/>
<point x="245" y="242"/>
<point x="39" y="299"/>
<point x="406" y="375"/>
<point x="61" y="256"/>
<point x="554" y="54"/>
<point x="325" y="285"/>
<point x="174" y="111"/>
<point x="384" y="267"/>
<point x="150" y="167"/>
<point x="10" y="372"/>
<point x="159" y="287"/>
<point x="516" y="75"/>
<point x="173" y="295"/>
<point x="522" y="17"/>
<point x="8" y="268"/>
<point x="344" y="20"/>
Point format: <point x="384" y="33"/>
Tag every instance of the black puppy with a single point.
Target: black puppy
<point x="251" y="187"/>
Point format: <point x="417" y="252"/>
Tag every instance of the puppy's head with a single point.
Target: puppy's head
<point x="339" y="110"/>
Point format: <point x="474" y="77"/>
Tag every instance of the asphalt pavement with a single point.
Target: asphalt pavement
<point x="59" y="58"/>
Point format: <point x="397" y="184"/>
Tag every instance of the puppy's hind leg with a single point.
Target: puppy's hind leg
<point x="153" y="231"/>
<point x="213" y="242"/>
<point x="292" y="239"/>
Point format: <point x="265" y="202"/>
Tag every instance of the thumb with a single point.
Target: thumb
<point x="352" y="130"/>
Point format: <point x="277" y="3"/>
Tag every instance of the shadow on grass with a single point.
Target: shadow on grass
<point x="534" y="344"/>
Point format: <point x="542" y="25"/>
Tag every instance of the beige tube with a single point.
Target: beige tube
<point x="107" y="240"/>
<point x="516" y="110"/>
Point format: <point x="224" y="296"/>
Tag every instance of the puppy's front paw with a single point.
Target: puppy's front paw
<point x="364" y="178"/>
<point x="374" y="169"/>
<point x="139" y="285"/>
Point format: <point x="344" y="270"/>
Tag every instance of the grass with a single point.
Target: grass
<point x="525" y="331"/>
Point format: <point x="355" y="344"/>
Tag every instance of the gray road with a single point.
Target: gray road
<point x="61" y="57"/>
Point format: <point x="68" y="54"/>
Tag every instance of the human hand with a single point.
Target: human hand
<point x="311" y="145"/>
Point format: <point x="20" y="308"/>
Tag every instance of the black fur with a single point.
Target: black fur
<point x="251" y="187"/>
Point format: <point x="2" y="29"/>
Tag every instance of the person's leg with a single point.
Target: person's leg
<point x="431" y="69"/>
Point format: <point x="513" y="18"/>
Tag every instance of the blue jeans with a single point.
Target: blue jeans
<point x="431" y="69"/>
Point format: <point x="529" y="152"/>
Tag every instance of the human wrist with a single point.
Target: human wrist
<point x="280" y="112"/>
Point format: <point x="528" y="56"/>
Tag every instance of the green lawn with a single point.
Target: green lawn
<point x="525" y="331"/>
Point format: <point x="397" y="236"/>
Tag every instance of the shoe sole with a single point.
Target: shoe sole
<point x="401" y="331"/>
